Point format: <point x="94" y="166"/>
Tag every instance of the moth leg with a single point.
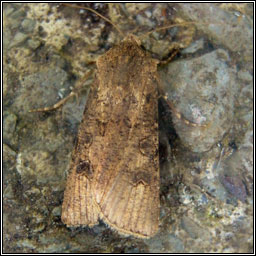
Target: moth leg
<point x="175" y="112"/>
<point x="180" y="116"/>
<point x="78" y="87"/>
<point x="55" y="106"/>
<point x="170" y="58"/>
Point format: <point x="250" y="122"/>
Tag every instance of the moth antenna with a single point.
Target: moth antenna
<point x="173" y="25"/>
<point x="98" y="14"/>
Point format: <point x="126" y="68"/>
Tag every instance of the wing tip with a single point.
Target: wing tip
<point x="126" y="232"/>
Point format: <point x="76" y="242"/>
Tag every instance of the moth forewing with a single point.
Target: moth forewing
<point x="78" y="206"/>
<point x="120" y="121"/>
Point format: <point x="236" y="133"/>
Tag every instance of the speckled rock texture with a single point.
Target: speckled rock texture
<point x="206" y="170"/>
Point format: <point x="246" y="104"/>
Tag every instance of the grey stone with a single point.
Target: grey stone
<point x="193" y="229"/>
<point x="28" y="25"/>
<point x="9" y="127"/>
<point x="18" y="39"/>
<point x="33" y="43"/>
<point x="41" y="89"/>
<point x="222" y="26"/>
<point x="203" y="90"/>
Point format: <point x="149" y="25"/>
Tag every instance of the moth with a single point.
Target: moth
<point x="114" y="173"/>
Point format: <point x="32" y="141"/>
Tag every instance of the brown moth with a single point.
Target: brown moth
<point x="114" y="173"/>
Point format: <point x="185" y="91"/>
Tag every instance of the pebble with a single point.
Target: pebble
<point x="203" y="91"/>
<point x="33" y="44"/>
<point x="18" y="39"/>
<point x="28" y="25"/>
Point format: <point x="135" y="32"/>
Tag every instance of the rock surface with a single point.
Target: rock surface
<point x="206" y="171"/>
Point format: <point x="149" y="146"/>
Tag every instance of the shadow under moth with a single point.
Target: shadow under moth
<point x="114" y="172"/>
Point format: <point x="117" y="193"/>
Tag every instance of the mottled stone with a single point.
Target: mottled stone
<point x="56" y="211"/>
<point x="194" y="202"/>
<point x="193" y="229"/>
<point x="28" y="25"/>
<point x="33" y="43"/>
<point x="193" y="47"/>
<point x="203" y="90"/>
<point x="9" y="127"/>
<point x="41" y="89"/>
<point x="36" y="165"/>
<point x="19" y="39"/>
<point x="224" y="27"/>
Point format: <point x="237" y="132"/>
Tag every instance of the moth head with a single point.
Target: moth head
<point x="133" y="39"/>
